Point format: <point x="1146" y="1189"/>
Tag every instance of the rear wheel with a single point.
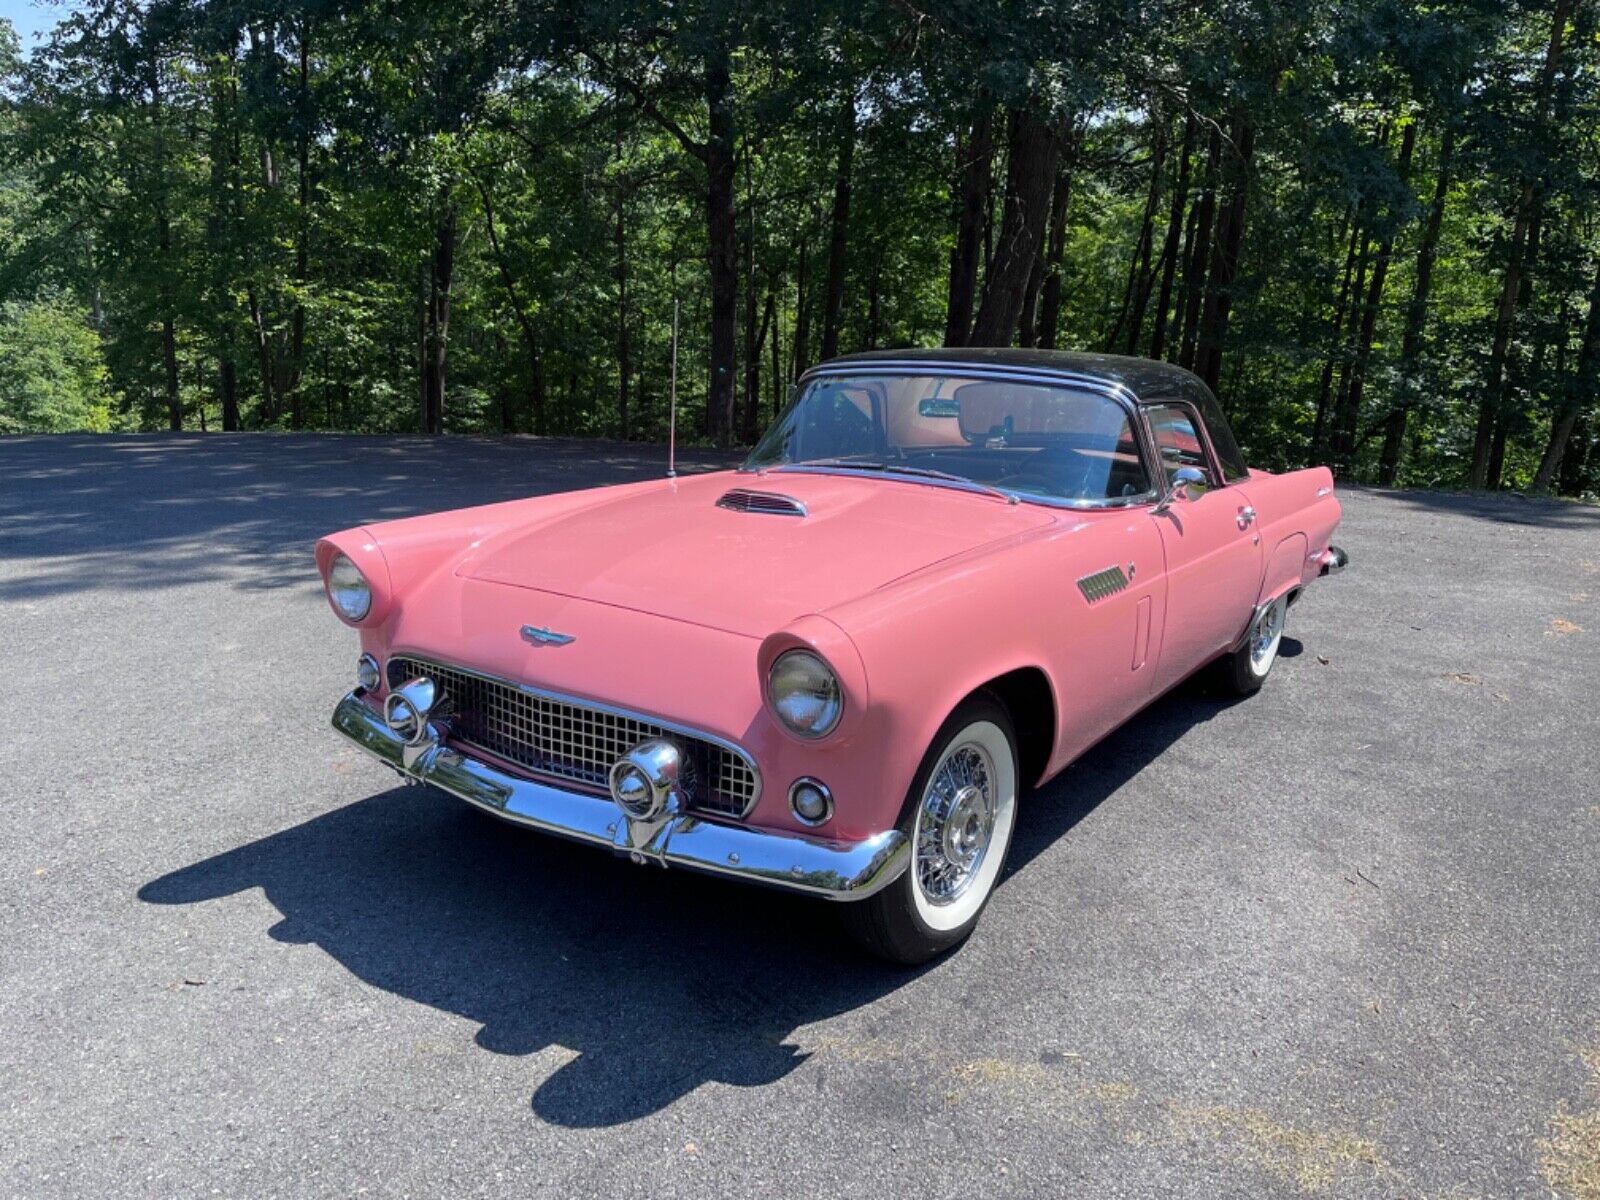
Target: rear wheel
<point x="958" y="815"/>
<point x="1246" y="669"/>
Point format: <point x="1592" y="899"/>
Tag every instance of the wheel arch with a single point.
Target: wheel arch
<point x="1029" y="698"/>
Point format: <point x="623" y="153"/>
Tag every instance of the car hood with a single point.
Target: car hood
<point x="672" y="551"/>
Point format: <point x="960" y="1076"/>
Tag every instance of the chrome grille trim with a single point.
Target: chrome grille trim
<point x="1102" y="584"/>
<point x="564" y="737"/>
<point x="773" y="503"/>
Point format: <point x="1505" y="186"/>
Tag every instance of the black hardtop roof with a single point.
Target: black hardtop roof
<point x="1144" y="377"/>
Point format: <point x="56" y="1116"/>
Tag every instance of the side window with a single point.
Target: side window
<point x="1226" y="449"/>
<point x="1177" y="440"/>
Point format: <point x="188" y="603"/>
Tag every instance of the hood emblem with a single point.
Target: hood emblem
<point x="537" y="635"/>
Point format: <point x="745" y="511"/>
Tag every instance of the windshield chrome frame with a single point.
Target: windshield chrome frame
<point x="1109" y="389"/>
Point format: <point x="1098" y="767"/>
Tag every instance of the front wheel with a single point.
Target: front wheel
<point x="958" y="815"/>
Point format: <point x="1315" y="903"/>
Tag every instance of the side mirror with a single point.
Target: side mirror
<point x="1182" y="480"/>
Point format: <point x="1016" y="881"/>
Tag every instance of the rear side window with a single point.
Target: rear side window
<point x="1229" y="455"/>
<point x="1177" y="440"/>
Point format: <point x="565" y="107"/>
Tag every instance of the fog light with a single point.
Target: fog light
<point x="367" y="674"/>
<point x="632" y="791"/>
<point x="811" y="801"/>
<point x="408" y="707"/>
<point x="647" y="781"/>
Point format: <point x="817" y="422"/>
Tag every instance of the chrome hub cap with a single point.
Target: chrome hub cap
<point x="955" y="823"/>
<point x="1264" y="637"/>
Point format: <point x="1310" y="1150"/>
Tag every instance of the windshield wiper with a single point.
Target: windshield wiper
<point x="851" y="464"/>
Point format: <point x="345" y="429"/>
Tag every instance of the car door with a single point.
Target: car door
<point x="1213" y="551"/>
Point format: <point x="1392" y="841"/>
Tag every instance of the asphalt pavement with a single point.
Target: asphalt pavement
<point x="1340" y="939"/>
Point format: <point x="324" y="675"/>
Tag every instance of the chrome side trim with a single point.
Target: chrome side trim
<point x="830" y="869"/>
<point x="1102" y="584"/>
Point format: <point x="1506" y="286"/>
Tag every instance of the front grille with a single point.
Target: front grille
<point x="548" y="735"/>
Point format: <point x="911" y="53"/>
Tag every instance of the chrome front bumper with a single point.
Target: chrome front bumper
<point x="833" y="870"/>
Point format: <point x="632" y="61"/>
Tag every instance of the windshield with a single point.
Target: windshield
<point x="1042" y="440"/>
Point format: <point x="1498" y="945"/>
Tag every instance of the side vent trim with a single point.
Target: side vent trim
<point x="1102" y="584"/>
<point x="771" y="503"/>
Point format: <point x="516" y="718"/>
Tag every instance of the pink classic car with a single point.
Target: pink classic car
<point x="938" y="579"/>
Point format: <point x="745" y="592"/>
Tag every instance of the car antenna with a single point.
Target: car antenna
<point x="672" y="403"/>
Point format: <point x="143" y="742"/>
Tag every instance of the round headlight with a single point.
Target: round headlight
<point x="348" y="589"/>
<point x="804" y="693"/>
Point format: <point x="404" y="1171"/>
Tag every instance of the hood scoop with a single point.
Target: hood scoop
<point x="772" y="503"/>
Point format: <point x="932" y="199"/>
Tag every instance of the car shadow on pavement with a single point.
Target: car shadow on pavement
<point x="656" y="981"/>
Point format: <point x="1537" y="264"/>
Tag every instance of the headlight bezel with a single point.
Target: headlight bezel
<point x="342" y="563"/>
<point x="805" y="659"/>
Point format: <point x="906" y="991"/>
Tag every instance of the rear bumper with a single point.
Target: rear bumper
<point x="832" y="870"/>
<point x="1333" y="560"/>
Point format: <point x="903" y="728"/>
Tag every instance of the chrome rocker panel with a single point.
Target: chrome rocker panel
<point x="814" y="866"/>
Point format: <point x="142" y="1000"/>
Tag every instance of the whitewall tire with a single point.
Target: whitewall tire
<point x="959" y="816"/>
<point x="1246" y="669"/>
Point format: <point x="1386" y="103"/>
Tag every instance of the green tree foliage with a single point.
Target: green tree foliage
<point x="53" y="377"/>
<point x="1370" y="225"/>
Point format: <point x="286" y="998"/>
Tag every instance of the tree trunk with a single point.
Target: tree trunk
<point x="723" y="238"/>
<point x="1136" y="294"/>
<point x="777" y="356"/>
<point x="1027" y="326"/>
<point x="269" y="399"/>
<point x="975" y="168"/>
<point x="752" y="370"/>
<point x="1336" y="346"/>
<point x="169" y="336"/>
<point x="800" y="349"/>
<point x="1580" y="445"/>
<point x="228" y="375"/>
<point x="1416" y="316"/>
<point x="1511" y="283"/>
<point x="302" y="248"/>
<point x="624" y="351"/>
<point x="1225" y="258"/>
<point x="437" y="350"/>
<point x="839" y="237"/>
<point x="1194" y="271"/>
<point x="1350" y="413"/>
<point x="1169" y="249"/>
<point x="875" y="302"/>
<point x="169" y="359"/>
<point x="1034" y="154"/>
<point x="1054" y="285"/>
<point x="1581" y="391"/>
<point x="519" y="312"/>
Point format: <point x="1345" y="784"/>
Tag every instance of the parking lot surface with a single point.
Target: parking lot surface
<point x="1339" y="939"/>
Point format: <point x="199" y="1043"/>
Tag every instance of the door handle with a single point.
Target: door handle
<point x="1247" y="516"/>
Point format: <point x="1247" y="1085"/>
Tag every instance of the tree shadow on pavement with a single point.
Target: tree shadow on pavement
<point x="658" y="980"/>
<point x="161" y="510"/>
<point x="1501" y="508"/>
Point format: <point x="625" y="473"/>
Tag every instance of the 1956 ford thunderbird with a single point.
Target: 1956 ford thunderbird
<point x="938" y="579"/>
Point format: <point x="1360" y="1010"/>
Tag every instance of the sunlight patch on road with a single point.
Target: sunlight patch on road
<point x="1569" y="1158"/>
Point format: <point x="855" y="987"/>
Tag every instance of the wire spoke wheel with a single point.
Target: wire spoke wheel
<point x="955" y="823"/>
